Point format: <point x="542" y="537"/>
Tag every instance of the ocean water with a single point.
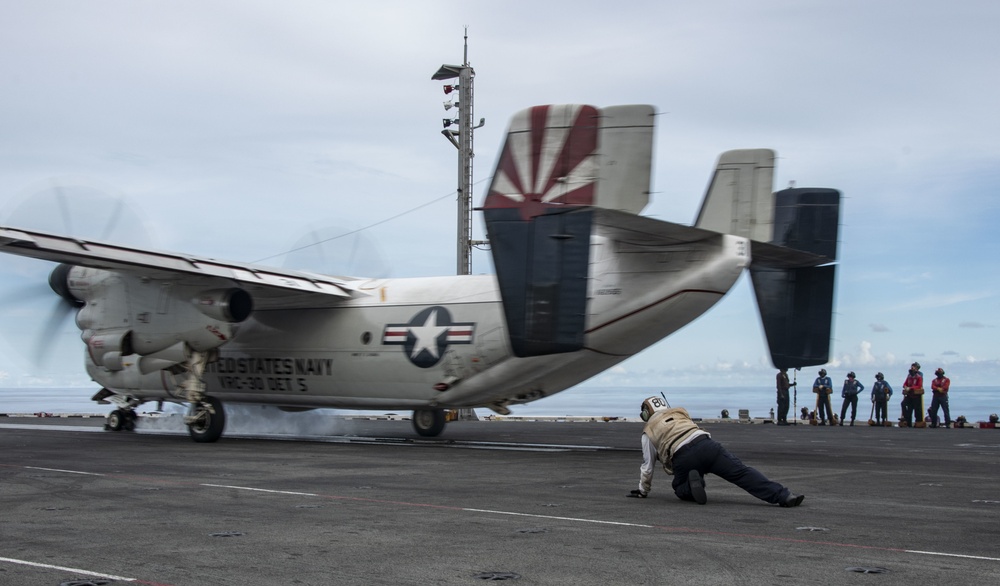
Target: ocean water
<point x="976" y="403"/>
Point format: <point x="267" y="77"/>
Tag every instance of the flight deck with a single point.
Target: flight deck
<point x="369" y="502"/>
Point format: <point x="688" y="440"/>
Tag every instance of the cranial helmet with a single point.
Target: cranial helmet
<point x="939" y="372"/>
<point x="915" y="366"/>
<point x="879" y="376"/>
<point x="822" y="372"/>
<point x="850" y="374"/>
<point x="651" y="405"/>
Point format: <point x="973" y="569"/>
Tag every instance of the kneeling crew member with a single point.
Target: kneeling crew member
<point x="689" y="452"/>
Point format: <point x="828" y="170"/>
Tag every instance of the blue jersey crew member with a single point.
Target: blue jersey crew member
<point x="881" y="391"/>
<point x="823" y="387"/>
<point x="689" y="453"/>
<point x="852" y="388"/>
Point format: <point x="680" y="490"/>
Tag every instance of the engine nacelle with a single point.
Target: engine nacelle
<point x="107" y="347"/>
<point x="202" y="338"/>
<point x="124" y="315"/>
<point x="229" y="305"/>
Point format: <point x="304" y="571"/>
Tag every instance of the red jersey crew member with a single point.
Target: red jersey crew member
<point x="689" y="452"/>
<point x="939" y="388"/>
<point x="913" y="392"/>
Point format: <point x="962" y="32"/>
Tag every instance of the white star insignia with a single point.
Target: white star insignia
<point x="425" y="336"/>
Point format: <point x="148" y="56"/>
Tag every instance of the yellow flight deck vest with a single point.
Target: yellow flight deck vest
<point x="668" y="428"/>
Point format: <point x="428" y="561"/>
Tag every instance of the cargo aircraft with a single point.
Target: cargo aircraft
<point x="582" y="283"/>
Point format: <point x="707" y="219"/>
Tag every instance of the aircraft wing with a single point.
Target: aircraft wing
<point x="271" y="288"/>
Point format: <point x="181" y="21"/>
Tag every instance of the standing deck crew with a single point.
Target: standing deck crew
<point x="881" y="392"/>
<point x="852" y="388"/>
<point x="913" y="397"/>
<point x="782" y="384"/>
<point x="939" y="389"/>
<point x="823" y="387"/>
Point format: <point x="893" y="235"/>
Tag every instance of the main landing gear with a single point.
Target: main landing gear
<point x="429" y="422"/>
<point x="121" y="419"/>
<point x="205" y="419"/>
<point x="124" y="416"/>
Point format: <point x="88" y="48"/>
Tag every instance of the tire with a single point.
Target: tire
<point x="208" y="426"/>
<point x="115" y="421"/>
<point x="428" y="422"/>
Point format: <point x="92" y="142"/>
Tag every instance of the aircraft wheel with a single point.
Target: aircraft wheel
<point x="428" y="422"/>
<point x="207" y="420"/>
<point x="115" y="420"/>
<point x="128" y="420"/>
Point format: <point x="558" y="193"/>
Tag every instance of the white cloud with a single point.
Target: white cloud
<point x="937" y="300"/>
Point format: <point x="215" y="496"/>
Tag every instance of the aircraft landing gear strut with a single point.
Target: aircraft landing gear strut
<point x="205" y="419"/>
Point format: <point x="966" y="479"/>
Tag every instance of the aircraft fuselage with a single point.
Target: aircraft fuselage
<point x="442" y="341"/>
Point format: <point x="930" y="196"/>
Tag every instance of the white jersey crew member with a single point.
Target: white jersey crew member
<point x="689" y="452"/>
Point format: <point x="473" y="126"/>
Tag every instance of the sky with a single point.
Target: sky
<point x="238" y="130"/>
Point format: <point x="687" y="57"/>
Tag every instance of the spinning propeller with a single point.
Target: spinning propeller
<point x="78" y="208"/>
<point x="337" y="251"/>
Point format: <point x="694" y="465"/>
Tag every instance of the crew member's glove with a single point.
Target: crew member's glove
<point x="636" y="494"/>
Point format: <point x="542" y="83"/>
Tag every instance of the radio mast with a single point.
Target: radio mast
<point x="462" y="139"/>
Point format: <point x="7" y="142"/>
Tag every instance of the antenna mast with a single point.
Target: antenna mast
<point x="462" y="139"/>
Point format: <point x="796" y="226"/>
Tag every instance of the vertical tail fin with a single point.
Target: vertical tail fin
<point x="796" y="303"/>
<point x="794" y="290"/>
<point x="739" y="199"/>
<point x="556" y="162"/>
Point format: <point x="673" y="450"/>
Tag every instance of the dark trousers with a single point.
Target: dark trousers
<point x="912" y="410"/>
<point x="851" y="400"/>
<point x="782" y="409"/>
<point x="707" y="455"/>
<point x="940" y="400"/>
<point x="824" y="410"/>
<point x="881" y="408"/>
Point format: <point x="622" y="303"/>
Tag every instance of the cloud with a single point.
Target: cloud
<point x="879" y="327"/>
<point x="938" y="300"/>
<point x="974" y="325"/>
<point x="949" y="353"/>
<point x="865" y="355"/>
